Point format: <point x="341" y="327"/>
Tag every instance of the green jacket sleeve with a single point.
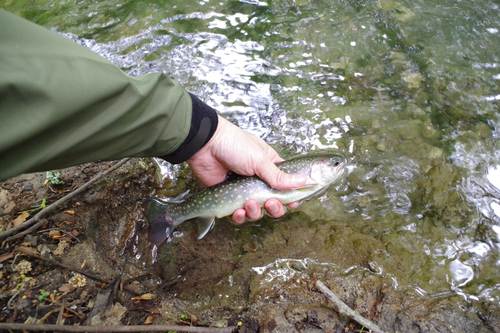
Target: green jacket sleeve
<point x="61" y="105"/>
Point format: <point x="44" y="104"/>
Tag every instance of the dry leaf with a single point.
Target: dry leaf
<point x="29" y="250"/>
<point x="149" y="320"/>
<point x="61" y="247"/>
<point x="67" y="314"/>
<point x="31" y="294"/>
<point x="75" y="232"/>
<point x="70" y="212"/>
<point x="6" y="256"/>
<point x="83" y="264"/>
<point x="9" y="207"/>
<point x="54" y="234"/>
<point x="65" y="287"/>
<point x="145" y="297"/>
<point x="21" y="218"/>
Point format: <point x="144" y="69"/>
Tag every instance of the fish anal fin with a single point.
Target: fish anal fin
<point x="205" y="224"/>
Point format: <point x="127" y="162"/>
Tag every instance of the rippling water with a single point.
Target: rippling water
<point x="408" y="90"/>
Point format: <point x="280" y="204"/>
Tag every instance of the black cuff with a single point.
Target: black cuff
<point x="204" y="122"/>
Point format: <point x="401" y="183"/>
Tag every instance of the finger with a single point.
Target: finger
<point x="278" y="179"/>
<point x="239" y="216"/>
<point x="293" y="204"/>
<point x="274" y="207"/>
<point x="272" y="154"/>
<point x="253" y="210"/>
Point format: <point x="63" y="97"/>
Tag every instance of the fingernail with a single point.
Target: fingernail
<point x="273" y="209"/>
<point x="252" y="209"/>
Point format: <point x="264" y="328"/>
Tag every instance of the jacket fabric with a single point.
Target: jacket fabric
<point x="62" y="104"/>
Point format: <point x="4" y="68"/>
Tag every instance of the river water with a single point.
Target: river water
<point x="408" y="91"/>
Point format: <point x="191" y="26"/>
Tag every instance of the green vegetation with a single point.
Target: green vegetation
<point x="53" y="178"/>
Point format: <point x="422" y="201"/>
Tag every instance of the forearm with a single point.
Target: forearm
<point x="62" y="105"/>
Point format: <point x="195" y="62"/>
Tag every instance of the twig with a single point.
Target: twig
<point x="342" y="308"/>
<point x="56" y="303"/>
<point x="74" y="269"/>
<point x="57" y="263"/>
<point x="61" y="311"/>
<point x="47" y="315"/>
<point x="11" y="300"/>
<point x="35" y="220"/>
<point x="117" y="329"/>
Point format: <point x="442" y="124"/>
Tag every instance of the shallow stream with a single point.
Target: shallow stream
<point x="409" y="91"/>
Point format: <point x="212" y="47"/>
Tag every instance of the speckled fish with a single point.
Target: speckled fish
<point x="224" y="198"/>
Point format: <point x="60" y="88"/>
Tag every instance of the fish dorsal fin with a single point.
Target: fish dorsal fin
<point x="205" y="224"/>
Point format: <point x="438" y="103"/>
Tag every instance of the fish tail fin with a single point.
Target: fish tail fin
<point x="161" y="224"/>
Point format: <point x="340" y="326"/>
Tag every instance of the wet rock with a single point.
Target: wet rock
<point x="28" y="187"/>
<point x="304" y="315"/>
<point x="271" y="319"/>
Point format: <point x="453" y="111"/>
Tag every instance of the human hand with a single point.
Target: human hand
<point x="232" y="149"/>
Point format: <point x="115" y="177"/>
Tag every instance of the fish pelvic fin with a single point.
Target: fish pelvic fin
<point x="205" y="224"/>
<point x="161" y="224"/>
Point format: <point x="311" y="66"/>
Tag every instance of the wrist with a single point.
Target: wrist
<point x="204" y="124"/>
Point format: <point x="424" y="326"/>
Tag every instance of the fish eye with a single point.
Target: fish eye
<point x="334" y="161"/>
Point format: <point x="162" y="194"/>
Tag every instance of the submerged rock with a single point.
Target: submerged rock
<point x="412" y="80"/>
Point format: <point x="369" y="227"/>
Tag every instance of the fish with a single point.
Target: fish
<point x="223" y="199"/>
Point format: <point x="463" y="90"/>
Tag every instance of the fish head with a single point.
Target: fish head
<point x="327" y="169"/>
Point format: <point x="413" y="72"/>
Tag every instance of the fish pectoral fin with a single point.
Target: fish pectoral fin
<point x="308" y="185"/>
<point x="205" y="224"/>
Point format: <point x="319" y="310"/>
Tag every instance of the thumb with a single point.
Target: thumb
<point x="278" y="179"/>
